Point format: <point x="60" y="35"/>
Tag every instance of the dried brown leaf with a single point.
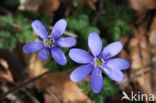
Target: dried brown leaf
<point x="29" y="5"/>
<point x="142" y="5"/>
<point x="140" y="59"/>
<point x="91" y="3"/>
<point x="152" y="40"/>
<point x="35" y="64"/>
<point x="6" y="75"/>
<point x="49" y="6"/>
<point x="66" y="90"/>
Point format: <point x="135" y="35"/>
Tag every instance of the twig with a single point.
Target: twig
<point x="30" y="96"/>
<point x="135" y="77"/>
<point x="20" y="86"/>
<point x="53" y="95"/>
<point x="99" y="12"/>
<point x="70" y="34"/>
<point x="17" y="88"/>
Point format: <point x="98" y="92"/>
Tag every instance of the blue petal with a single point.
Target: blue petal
<point x="96" y="80"/>
<point x="114" y="73"/>
<point x="58" y="55"/>
<point x="59" y="28"/>
<point x="33" y="46"/>
<point x="66" y="42"/>
<point x="81" y="72"/>
<point x="44" y="54"/>
<point x="80" y="56"/>
<point x="112" y="49"/>
<point x="95" y="43"/>
<point x="118" y="63"/>
<point x="40" y="29"/>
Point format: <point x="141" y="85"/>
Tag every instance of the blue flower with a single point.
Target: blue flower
<point x="50" y="43"/>
<point x="98" y="63"/>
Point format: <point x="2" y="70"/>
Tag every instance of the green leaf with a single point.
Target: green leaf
<point x="85" y="86"/>
<point x="85" y="32"/>
<point x="108" y="90"/>
<point x="116" y="20"/>
<point x="11" y="2"/>
<point x="75" y="2"/>
<point x="52" y="66"/>
<point x="6" y="20"/>
<point x="7" y="41"/>
<point x="77" y="23"/>
<point x="48" y="20"/>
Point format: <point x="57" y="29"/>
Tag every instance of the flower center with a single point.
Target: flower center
<point x="49" y="42"/>
<point x="98" y="62"/>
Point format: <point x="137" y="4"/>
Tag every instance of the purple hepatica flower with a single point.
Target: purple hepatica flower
<point x="50" y="43"/>
<point x="98" y="62"/>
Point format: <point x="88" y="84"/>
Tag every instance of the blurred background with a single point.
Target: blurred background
<point x="24" y="78"/>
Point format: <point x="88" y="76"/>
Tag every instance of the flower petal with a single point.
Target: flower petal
<point x="118" y="63"/>
<point x="33" y="46"/>
<point x="80" y="56"/>
<point x="59" y="28"/>
<point x="95" y="43"/>
<point x="66" y="42"/>
<point x="96" y="80"/>
<point x="40" y="29"/>
<point x="44" y="54"/>
<point x="114" y="73"/>
<point x="112" y="49"/>
<point x="58" y="55"/>
<point x="81" y="72"/>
